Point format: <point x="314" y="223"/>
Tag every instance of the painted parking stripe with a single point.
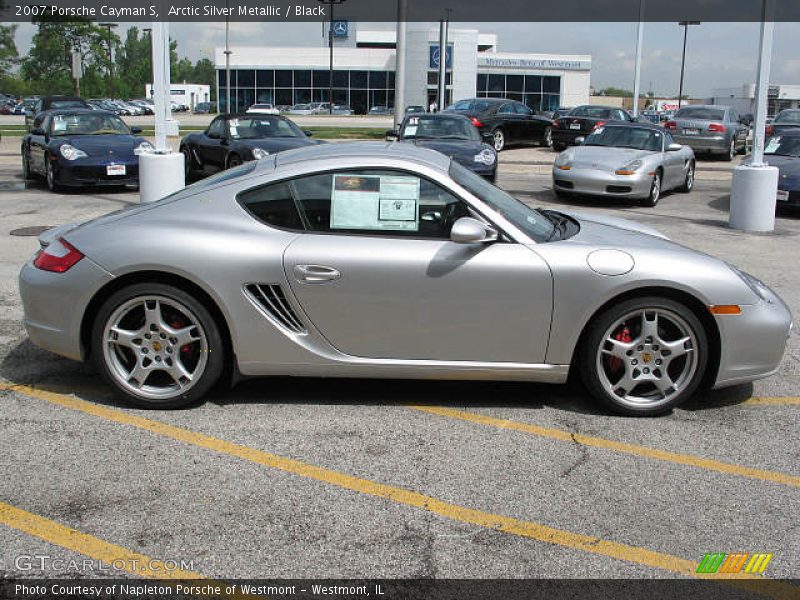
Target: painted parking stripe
<point x="766" y="400"/>
<point x="494" y="522"/>
<point x="111" y="554"/>
<point x="596" y="442"/>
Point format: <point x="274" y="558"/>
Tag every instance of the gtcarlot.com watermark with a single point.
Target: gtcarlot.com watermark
<point x="43" y="562"/>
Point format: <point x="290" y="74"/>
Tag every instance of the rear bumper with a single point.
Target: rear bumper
<point x="602" y="183"/>
<point x="566" y="136"/>
<point x="704" y="143"/>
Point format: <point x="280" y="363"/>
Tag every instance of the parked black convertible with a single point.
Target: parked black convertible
<point x="233" y="139"/>
<point x="453" y="135"/>
<point x="508" y="121"/>
<point x="80" y="147"/>
<point x="783" y="151"/>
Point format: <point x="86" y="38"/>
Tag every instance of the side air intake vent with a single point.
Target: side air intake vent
<point x="270" y="297"/>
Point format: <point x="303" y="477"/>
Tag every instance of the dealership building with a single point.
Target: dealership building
<point x="364" y="71"/>
<point x="743" y="98"/>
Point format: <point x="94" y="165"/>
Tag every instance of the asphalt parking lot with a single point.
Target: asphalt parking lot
<point x="384" y="479"/>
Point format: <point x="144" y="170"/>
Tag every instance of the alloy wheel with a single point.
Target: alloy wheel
<point x="548" y="136"/>
<point x="155" y="347"/>
<point x="647" y="358"/>
<point x="499" y="140"/>
<point x="655" y="190"/>
<point x="689" y="184"/>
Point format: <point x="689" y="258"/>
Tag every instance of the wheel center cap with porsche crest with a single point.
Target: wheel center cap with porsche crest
<point x="156" y="346"/>
<point x="646" y="357"/>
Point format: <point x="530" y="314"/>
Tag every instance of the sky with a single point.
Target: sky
<point x="718" y="54"/>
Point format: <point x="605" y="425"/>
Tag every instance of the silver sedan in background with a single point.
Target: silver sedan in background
<point x="637" y="161"/>
<point x="710" y="128"/>
<point x="390" y="261"/>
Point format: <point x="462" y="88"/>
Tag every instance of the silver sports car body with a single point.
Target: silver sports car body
<point x="386" y="260"/>
<point x="635" y="161"/>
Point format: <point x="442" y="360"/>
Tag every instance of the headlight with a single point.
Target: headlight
<point x="258" y="153"/>
<point x="563" y="161"/>
<point x="143" y="148"/>
<point x="485" y="156"/>
<point x="71" y="152"/>
<point x="758" y="287"/>
<point x="630" y="168"/>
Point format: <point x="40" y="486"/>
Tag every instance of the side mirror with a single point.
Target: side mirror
<point x="136" y="130"/>
<point x="580" y="140"/>
<point x="674" y="147"/>
<point x="308" y="133"/>
<point x="392" y="135"/>
<point x="467" y="230"/>
<point x="37" y="131"/>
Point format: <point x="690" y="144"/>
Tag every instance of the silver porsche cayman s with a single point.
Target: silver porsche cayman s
<point x="383" y="260"/>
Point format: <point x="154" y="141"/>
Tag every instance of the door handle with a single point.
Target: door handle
<point x="315" y="273"/>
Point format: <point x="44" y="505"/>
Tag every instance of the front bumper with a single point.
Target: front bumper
<point x="54" y="304"/>
<point x="704" y="143"/>
<point x="595" y="182"/>
<point x="753" y="343"/>
<point x="82" y="172"/>
<point x="793" y="199"/>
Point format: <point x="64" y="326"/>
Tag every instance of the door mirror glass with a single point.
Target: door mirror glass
<point x="673" y="147"/>
<point x="136" y="130"/>
<point x="467" y="230"/>
<point x="308" y="133"/>
<point x="392" y="135"/>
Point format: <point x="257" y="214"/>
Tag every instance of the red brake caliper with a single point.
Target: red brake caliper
<point x="614" y="363"/>
<point x="178" y="324"/>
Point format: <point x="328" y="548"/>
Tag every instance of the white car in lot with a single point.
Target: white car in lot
<point x="263" y="109"/>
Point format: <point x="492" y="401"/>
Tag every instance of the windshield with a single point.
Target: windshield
<point x="593" y="112"/>
<point x="254" y="128"/>
<point x="701" y="112"/>
<point x="788" y="116"/>
<point x="87" y="124"/>
<point x="538" y="227"/>
<point x="638" y="138"/>
<point x="783" y="146"/>
<point x="439" y="127"/>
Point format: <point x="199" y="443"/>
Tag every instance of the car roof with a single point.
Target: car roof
<point x="77" y="110"/>
<point x="368" y="150"/>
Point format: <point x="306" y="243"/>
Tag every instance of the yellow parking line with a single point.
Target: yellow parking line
<point x="596" y="442"/>
<point x="88" y="545"/>
<point x="788" y="400"/>
<point x="527" y="529"/>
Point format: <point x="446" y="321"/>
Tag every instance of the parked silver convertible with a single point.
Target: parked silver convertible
<point x="384" y="260"/>
<point x="625" y="161"/>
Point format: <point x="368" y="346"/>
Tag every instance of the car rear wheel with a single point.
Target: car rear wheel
<point x="688" y="183"/>
<point x="644" y="356"/>
<point x="547" y="138"/>
<point x="499" y="139"/>
<point x="731" y="151"/>
<point x="157" y="345"/>
<point x="234" y="161"/>
<point x="655" y="191"/>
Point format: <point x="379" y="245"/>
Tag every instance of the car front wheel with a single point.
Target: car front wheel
<point x="655" y="191"/>
<point x="52" y="180"/>
<point x="644" y="356"/>
<point x="157" y="345"/>
<point x="26" y="165"/>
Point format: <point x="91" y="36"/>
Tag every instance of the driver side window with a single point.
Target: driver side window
<point x="216" y="129"/>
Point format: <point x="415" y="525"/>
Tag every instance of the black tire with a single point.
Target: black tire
<point x="26" y="165"/>
<point x="547" y="137"/>
<point x="559" y="147"/>
<point x="234" y="161"/>
<point x="50" y="175"/>
<point x="589" y="363"/>
<point x="688" y="184"/>
<point x="499" y="141"/>
<point x="655" y="190"/>
<point x="188" y="164"/>
<point x="213" y="355"/>
<point x="731" y="153"/>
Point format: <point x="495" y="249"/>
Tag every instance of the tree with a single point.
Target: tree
<point x="616" y="92"/>
<point x="183" y="70"/>
<point x="48" y="64"/>
<point x="134" y="64"/>
<point x="8" y="49"/>
<point x="205" y="72"/>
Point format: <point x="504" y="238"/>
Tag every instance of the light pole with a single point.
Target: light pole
<point x="685" y="25"/>
<point x="227" y="62"/>
<point x="109" y="26"/>
<point x="638" y="70"/>
<point x="330" y="3"/>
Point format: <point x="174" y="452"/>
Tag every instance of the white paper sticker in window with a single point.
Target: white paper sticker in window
<point x="59" y="124"/>
<point x="377" y="202"/>
<point x="410" y="130"/>
<point x="773" y="145"/>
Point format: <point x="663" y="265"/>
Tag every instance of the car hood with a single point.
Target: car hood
<point x="100" y="145"/>
<point x="605" y="157"/>
<point x="277" y="144"/>
<point x="457" y="149"/>
<point x="595" y="224"/>
<point x="787" y="165"/>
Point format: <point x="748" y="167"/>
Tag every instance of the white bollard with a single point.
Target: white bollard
<point x="160" y="175"/>
<point x="754" y="193"/>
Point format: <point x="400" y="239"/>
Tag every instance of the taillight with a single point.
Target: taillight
<point x="671" y="125"/>
<point x="770" y="130"/>
<point x="716" y="127"/>
<point x="476" y="122"/>
<point x="556" y="125"/>
<point x="59" y="256"/>
<point x="598" y="124"/>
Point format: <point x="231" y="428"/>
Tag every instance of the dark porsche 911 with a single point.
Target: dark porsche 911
<point x="231" y="140"/>
<point x="81" y="147"/>
<point x="452" y="135"/>
<point x="783" y="151"/>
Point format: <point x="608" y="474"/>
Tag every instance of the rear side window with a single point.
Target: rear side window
<point x="273" y="205"/>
